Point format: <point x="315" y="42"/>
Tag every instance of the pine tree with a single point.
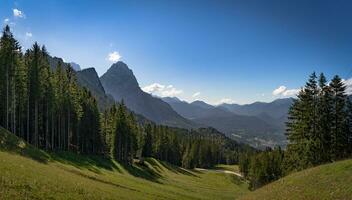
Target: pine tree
<point x="349" y="125"/>
<point x="148" y="142"/>
<point x="10" y="56"/>
<point x="302" y="128"/>
<point x="339" y="137"/>
<point x="324" y="120"/>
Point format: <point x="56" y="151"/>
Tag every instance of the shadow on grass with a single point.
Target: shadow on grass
<point x="93" y="163"/>
<point x="143" y="171"/>
<point x="101" y="180"/>
<point x="12" y="144"/>
<point x="175" y="169"/>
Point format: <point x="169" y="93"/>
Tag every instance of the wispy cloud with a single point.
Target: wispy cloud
<point x="114" y="56"/>
<point x="6" y="20"/>
<point x="162" y="90"/>
<point x="279" y="90"/>
<point x="152" y="88"/>
<point x="29" y="34"/>
<point x="283" y="91"/>
<point x="19" y="14"/>
<point x="291" y="92"/>
<point x="348" y="84"/>
<point x="196" y="94"/>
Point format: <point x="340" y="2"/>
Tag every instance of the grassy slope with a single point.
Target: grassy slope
<point x="28" y="173"/>
<point x="330" y="181"/>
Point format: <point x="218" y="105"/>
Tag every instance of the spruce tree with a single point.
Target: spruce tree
<point x="324" y="120"/>
<point x="339" y="137"/>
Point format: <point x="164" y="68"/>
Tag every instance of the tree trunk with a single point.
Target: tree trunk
<point x="36" y="124"/>
<point x="68" y="129"/>
<point x="52" y="131"/>
<point x="14" y="109"/>
<point x="47" y="128"/>
<point x="7" y="98"/>
<point x="28" y="119"/>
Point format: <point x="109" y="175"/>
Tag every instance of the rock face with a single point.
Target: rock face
<point x="120" y="82"/>
<point x="75" y="66"/>
<point x="89" y="78"/>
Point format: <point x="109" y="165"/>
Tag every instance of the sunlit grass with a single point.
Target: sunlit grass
<point x="330" y="181"/>
<point x="28" y="173"/>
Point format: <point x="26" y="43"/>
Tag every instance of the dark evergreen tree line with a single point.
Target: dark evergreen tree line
<point x="262" y="167"/>
<point x="45" y="107"/>
<point x="127" y="139"/>
<point x="319" y="124"/>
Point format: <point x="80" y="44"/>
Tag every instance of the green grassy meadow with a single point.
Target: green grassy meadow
<point x="29" y="173"/>
<point x="331" y="181"/>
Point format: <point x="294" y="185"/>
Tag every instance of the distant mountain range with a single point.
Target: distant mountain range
<point x="259" y="124"/>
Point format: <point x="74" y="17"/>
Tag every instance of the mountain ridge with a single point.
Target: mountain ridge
<point x="258" y="124"/>
<point x="120" y="82"/>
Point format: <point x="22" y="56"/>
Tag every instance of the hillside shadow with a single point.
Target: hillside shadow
<point x="100" y="180"/>
<point x="177" y="170"/>
<point x="143" y="171"/>
<point x="12" y="144"/>
<point x="153" y="172"/>
<point x="93" y="163"/>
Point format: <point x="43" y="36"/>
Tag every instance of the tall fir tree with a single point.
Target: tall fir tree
<point x="339" y="137"/>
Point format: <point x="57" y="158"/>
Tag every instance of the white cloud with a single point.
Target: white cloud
<point x="348" y="84"/>
<point x="283" y="91"/>
<point x="171" y="92"/>
<point x="162" y="90"/>
<point x="114" y="56"/>
<point x="155" y="87"/>
<point x="29" y="34"/>
<point x="225" y="100"/>
<point x="18" y="13"/>
<point x="292" y="92"/>
<point x="6" y="20"/>
<point x="279" y="90"/>
<point x="196" y="94"/>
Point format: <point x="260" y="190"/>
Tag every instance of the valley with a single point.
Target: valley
<point x="175" y="100"/>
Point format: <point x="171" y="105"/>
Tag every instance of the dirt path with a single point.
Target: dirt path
<point x="220" y="171"/>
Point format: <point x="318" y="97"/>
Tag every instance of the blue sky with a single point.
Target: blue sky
<point x="224" y="51"/>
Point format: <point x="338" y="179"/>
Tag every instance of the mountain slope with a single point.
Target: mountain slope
<point x="89" y="78"/>
<point x="75" y="66"/>
<point x="29" y="173"/>
<point x="191" y="110"/>
<point x="120" y="82"/>
<point x="259" y="131"/>
<point x="330" y="181"/>
<point x="275" y="109"/>
<point x="274" y="113"/>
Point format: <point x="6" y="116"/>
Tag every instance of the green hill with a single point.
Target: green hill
<point x="29" y="173"/>
<point x="330" y="181"/>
